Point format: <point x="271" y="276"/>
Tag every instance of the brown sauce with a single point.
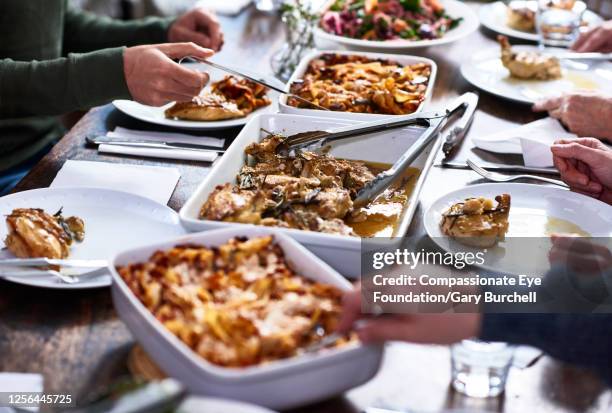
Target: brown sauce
<point x="382" y="216"/>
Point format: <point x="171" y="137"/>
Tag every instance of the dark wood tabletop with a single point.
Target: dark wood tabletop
<point x="76" y="341"/>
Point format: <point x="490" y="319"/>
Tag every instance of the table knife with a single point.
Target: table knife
<point x="43" y="262"/>
<point x="500" y="167"/>
<point x="142" y="143"/>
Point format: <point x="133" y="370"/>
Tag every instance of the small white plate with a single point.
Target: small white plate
<point x="535" y="211"/>
<point x="486" y="71"/>
<point x="453" y="8"/>
<point x="114" y="220"/>
<point x="155" y="115"/>
<point x="214" y="405"/>
<point x="493" y="17"/>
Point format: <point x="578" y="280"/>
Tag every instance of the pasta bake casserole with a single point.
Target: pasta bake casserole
<point x="350" y="83"/>
<point x="236" y="305"/>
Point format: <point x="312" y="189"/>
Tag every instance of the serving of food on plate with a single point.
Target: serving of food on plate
<point x="227" y="99"/>
<point x="310" y="191"/>
<point x="362" y="84"/>
<point x="529" y="64"/>
<point x="34" y="233"/>
<point x="388" y="19"/>
<point x="238" y="304"/>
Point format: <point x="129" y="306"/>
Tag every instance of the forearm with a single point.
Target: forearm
<point x="84" y="32"/>
<point x="582" y="339"/>
<point x="53" y="87"/>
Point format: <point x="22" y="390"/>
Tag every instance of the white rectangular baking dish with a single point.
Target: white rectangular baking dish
<point x="343" y="253"/>
<point x="402" y="59"/>
<point x="279" y="385"/>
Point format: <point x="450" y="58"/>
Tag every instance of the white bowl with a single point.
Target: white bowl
<point x="405" y="60"/>
<point x="280" y="384"/>
<point x="343" y="253"/>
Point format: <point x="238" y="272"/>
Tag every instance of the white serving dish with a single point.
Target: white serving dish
<point x="281" y="384"/>
<point x="343" y="253"/>
<point x="453" y="8"/>
<point x="401" y="59"/>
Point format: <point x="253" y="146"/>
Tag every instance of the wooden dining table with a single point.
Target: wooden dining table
<point x="75" y="340"/>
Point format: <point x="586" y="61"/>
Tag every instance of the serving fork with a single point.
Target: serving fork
<point x="258" y="80"/>
<point x="497" y="177"/>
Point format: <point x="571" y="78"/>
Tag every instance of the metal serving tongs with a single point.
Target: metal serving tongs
<point x="465" y="103"/>
<point x="260" y="81"/>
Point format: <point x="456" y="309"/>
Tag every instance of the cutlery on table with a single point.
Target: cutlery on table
<point x="260" y="81"/>
<point x="497" y="177"/>
<point x="498" y="167"/>
<point x="150" y="144"/>
<point x="44" y="262"/>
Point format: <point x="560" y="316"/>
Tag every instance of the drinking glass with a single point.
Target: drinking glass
<point x="480" y="369"/>
<point x="558" y="21"/>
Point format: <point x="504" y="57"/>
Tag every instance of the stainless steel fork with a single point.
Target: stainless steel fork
<point x="497" y="177"/>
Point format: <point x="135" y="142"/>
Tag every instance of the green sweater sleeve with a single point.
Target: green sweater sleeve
<point x="56" y="86"/>
<point x="84" y="32"/>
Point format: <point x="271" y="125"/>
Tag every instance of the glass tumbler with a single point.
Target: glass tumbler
<point x="480" y="369"/>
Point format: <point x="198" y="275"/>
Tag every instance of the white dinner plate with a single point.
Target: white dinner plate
<point x="536" y="211"/>
<point x="486" y="71"/>
<point x="155" y="115"/>
<point x="114" y="221"/>
<point x="194" y="404"/>
<point x="453" y="8"/>
<point x="493" y="17"/>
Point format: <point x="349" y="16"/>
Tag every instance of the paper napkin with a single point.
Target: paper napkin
<point x="20" y="383"/>
<point x="154" y="182"/>
<point x="183" y="154"/>
<point x="532" y="140"/>
<point x="124" y="133"/>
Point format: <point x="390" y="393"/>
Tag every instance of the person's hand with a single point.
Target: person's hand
<point x="581" y="255"/>
<point x="416" y="328"/>
<point x="154" y="79"/>
<point x="597" y="39"/>
<point x="584" y="113"/>
<point x="585" y="165"/>
<point x="199" y="26"/>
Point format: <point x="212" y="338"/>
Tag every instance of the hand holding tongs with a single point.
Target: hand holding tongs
<point x="260" y="81"/>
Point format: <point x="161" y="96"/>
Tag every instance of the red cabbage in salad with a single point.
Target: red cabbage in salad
<point x="387" y="19"/>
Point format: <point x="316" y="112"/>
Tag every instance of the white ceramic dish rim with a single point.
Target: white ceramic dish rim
<point x="490" y="9"/>
<point x="312" y="237"/>
<point x="288" y="366"/>
<point x="406" y="44"/>
<point x="400" y="58"/>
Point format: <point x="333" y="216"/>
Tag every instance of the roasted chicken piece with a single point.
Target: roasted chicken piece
<point x="34" y="233"/>
<point x="528" y="64"/>
<point x="477" y="222"/>
<point x="230" y="203"/>
<point x="206" y="107"/>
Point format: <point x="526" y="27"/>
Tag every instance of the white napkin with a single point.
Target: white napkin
<point x="532" y="140"/>
<point x="226" y="7"/>
<point x="154" y="182"/>
<point x="20" y="383"/>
